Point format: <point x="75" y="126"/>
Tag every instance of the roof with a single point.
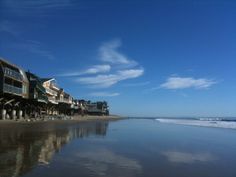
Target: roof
<point x="32" y="75"/>
<point x="18" y="69"/>
<point x="46" y="79"/>
<point x="9" y="63"/>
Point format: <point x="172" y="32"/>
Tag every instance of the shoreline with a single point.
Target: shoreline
<point x="73" y="119"/>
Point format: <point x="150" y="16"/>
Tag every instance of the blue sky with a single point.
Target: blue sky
<point x="146" y="58"/>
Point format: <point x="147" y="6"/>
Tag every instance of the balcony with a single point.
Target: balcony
<point x="12" y="74"/>
<point x="67" y="101"/>
<point x="52" y="100"/>
<point x="12" y="89"/>
<point x="64" y="100"/>
<point x="40" y="87"/>
<point x="51" y="92"/>
<point x="42" y="98"/>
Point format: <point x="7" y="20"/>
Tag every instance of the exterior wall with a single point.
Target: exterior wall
<point x="25" y="85"/>
<point x="1" y="78"/>
<point x="11" y="79"/>
<point x="51" y="94"/>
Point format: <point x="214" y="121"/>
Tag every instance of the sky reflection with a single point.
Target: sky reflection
<point x="101" y="161"/>
<point x="186" y="157"/>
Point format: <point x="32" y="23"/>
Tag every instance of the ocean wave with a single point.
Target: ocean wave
<point x="203" y="122"/>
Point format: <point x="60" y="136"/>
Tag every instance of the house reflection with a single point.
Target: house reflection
<point x="22" y="147"/>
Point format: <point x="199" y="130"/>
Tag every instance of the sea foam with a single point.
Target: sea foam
<point x="218" y="123"/>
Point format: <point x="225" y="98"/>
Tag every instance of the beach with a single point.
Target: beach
<point x="63" y="119"/>
<point x="108" y="148"/>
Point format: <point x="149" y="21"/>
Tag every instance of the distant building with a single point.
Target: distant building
<point x="97" y="108"/>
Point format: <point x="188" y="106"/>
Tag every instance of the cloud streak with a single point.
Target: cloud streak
<point x="121" y="67"/>
<point x="92" y="70"/>
<point x="17" y="42"/>
<point x="42" y="7"/>
<point x="9" y="27"/>
<point x="34" y="47"/>
<point x="187" y="82"/>
<point x="104" y="94"/>
<point x="103" y="81"/>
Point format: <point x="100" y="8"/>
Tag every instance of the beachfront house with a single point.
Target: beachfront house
<point x="37" y="95"/>
<point x="52" y="90"/>
<point x="65" y="102"/>
<point x="97" y="108"/>
<point x="14" y="86"/>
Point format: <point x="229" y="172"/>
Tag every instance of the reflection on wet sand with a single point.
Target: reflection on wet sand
<point x="186" y="157"/>
<point x="23" y="147"/>
<point x="104" y="162"/>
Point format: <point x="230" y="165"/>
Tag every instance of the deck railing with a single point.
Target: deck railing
<point x="52" y="100"/>
<point x="13" y="74"/>
<point x="64" y="100"/>
<point x="12" y="89"/>
<point x="52" y="92"/>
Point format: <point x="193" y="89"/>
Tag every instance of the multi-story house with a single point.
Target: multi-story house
<point x="65" y="102"/>
<point x="52" y="91"/>
<point x="37" y="96"/>
<point x="51" y="88"/>
<point x="37" y="92"/>
<point x="13" y="80"/>
<point x="97" y="108"/>
<point x="14" y="86"/>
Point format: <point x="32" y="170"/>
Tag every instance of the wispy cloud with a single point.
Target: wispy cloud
<point x="113" y="68"/>
<point x="187" y="82"/>
<point x="104" y="94"/>
<point x="34" y="47"/>
<point x="9" y="27"/>
<point x="19" y="43"/>
<point x="42" y="7"/>
<point x="92" y="70"/>
<point x="109" y="53"/>
<point x="118" y="70"/>
<point x="103" y="81"/>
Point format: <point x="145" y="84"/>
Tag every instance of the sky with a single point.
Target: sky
<point x="146" y="58"/>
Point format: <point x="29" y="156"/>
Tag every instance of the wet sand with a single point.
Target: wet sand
<point x="125" y="148"/>
<point x="76" y="118"/>
<point x="89" y="117"/>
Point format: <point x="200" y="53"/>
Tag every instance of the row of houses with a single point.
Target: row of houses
<point x="26" y="95"/>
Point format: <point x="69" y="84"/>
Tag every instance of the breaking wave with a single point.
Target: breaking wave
<point x="204" y="122"/>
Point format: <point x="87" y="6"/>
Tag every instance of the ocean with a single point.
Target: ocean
<point x="197" y="147"/>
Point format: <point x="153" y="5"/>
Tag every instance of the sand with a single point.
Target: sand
<point x="76" y="118"/>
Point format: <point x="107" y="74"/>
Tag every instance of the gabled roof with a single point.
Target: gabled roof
<point x="32" y="76"/>
<point x="29" y="74"/>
